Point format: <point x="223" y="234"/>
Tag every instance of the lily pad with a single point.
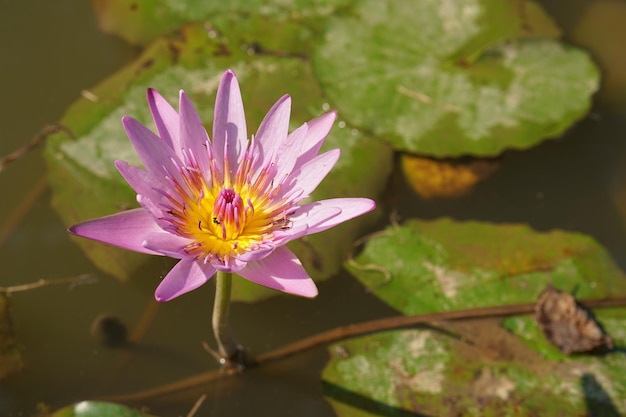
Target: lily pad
<point x="141" y="22"/>
<point x="428" y="373"/>
<point x="460" y="77"/>
<point x="10" y="357"/>
<point x="98" y="409"/>
<point x="86" y="184"/>
<point x="477" y="367"/>
<point x="444" y="265"/>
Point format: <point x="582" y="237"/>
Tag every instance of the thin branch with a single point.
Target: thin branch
<point x="41" y="136"/>
<point x="81" y="279"/>
<point x="352" y="330"/>
<point x="359" y="329"/>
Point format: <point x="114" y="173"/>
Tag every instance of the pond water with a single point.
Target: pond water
<point x="50" y="52"/>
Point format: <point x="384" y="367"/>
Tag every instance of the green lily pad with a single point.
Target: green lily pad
<point x="428" y="266"/>
<point x="477" y="367"/>
<point x="98" y="409"/>
<point x="10" y="357"/>
<point x="425" y="372"/>
<point x="86" y="184"/>
<point x="460" y="77"/>
<point x="141" y="22"/>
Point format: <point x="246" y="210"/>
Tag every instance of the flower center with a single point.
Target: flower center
<point x="225" y="218"/>
<point x="220" y="225"/>
<point x="228" y="212"/>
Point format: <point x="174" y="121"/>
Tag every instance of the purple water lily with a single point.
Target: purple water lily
<point x="228" y="204"/>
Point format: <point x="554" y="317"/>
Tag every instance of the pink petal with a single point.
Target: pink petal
<point x="193" y="135"/>
<point x="232" y="265"/>
<point x="282" y="237"/>
<point x="314" y="213"/>
<point x="127" y="229"/>
<point x="187" y="275"/>
<point x="287" y="154"/>
<point x="305" y="216"/>
<point x="306" y="178"/>
<point x="317" y="130"/>
<point x="282" y="271"/>
<point x="256" y="255"/>
<point x="154" y="153"/>
<point x="273" y="131"/>
<point x="229" y="122"/>
<point x="167" y="244"/>
<point x="142" y="182"/>
<point x="348" y="207"/>
<point x="165" y="118"/>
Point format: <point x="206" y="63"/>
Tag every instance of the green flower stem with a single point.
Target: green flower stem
<point x="228" y="347"/>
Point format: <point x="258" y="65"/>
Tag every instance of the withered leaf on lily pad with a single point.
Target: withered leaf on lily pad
<point x="568" y="325"/>
<point x="432" y="178"/>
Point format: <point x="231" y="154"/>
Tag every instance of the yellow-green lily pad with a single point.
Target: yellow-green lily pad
<point x="445" y="264"/>
<point x="487" y="371"/>
<point x="452" y="78"/>
<point x="477" y="367"/>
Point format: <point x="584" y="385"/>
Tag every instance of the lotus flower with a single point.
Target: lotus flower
<point x="228" y="204"/>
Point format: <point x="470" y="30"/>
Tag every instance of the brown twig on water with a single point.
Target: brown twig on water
<point x="352" y="330"/>
<point x="44" y="283"/>
<point x="40" y="137"/>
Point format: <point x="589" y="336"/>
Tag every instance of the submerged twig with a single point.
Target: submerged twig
<point x="24" y="206"/>
<point x="196" y="406"/>
<point x="352" y="330"/>
<point x="22" y="209"/>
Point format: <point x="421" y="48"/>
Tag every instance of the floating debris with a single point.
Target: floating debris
<point x="567" y="325"/>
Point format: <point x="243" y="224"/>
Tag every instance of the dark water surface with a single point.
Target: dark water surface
<point x="49" y="52"/>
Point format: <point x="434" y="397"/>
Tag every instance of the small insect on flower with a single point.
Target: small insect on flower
<point x="284" y="223"/>
<point x="229" y="203"/>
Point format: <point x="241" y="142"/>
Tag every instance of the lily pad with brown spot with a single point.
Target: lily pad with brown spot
<point x="472" y="369"/>
<point x="477" y="367"/>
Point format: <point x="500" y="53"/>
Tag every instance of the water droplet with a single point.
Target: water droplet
<point x="325" y="106"/>
<point x="354" y="132"/>
<point x="341" y="124"/>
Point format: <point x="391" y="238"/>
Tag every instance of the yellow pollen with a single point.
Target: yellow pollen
<point x="226" y="222"/>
